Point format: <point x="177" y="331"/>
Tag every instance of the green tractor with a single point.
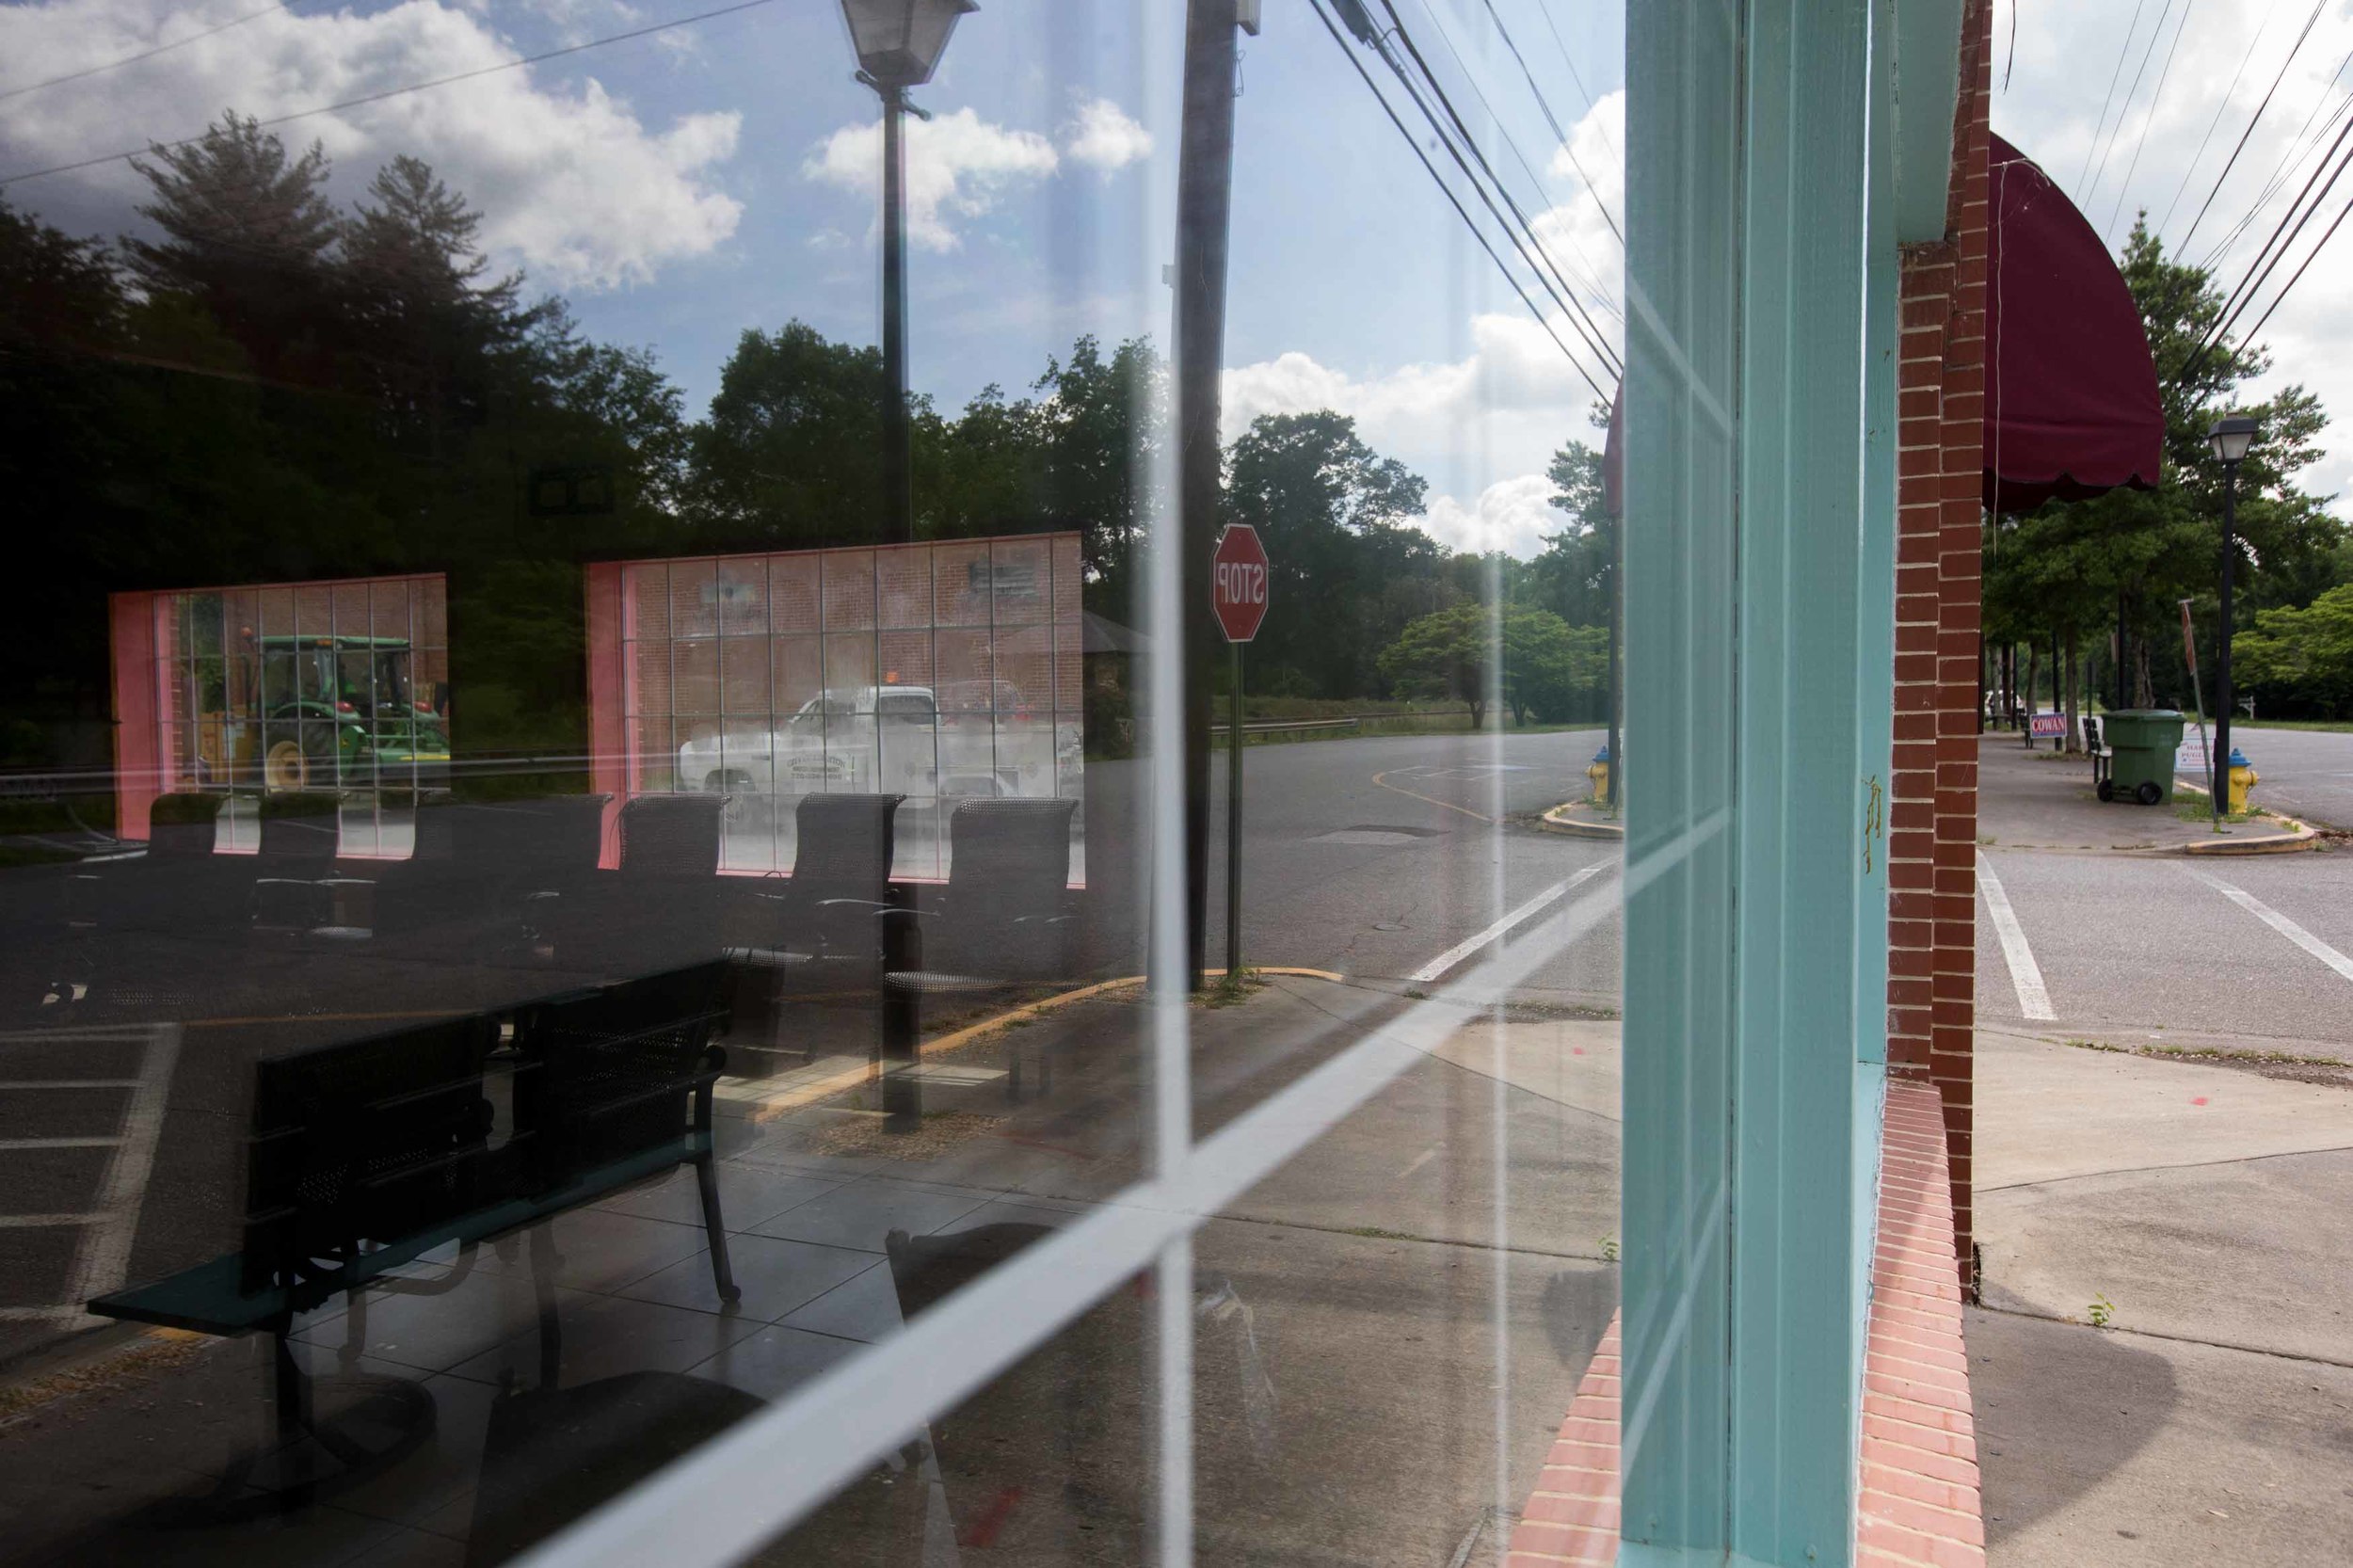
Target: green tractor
<point x="334" y="710"/>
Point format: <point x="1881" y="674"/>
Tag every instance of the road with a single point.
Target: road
<point x="2139" y="949"/>
<point x="1376" y="857"/>
<point x="2305" y="773"/>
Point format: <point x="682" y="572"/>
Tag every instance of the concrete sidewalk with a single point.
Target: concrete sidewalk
<point x="2043" y="800"/>
<point x="2208" y="1212"/>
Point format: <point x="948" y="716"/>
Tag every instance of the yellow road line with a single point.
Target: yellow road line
<point x="327" y="1019"/>
<point x="1382" y="779"/>
<point x="850" y="1077"/>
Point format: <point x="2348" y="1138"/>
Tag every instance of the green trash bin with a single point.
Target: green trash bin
<point x="2144" y="741"/>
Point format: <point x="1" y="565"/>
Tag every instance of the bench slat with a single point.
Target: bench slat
<point x="208" y="1298"/>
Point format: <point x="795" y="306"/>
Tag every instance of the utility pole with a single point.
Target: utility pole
<point x="1205" y="184"/>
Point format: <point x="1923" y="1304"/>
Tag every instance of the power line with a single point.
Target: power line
<point x="2251" y="283"/>
<point x="2293" y="49"/>
<point x="2117" y="131"/>
<point x="1592" y="274"/>
<point x="2319" y="247"/>
<point x="1459" y="211"/>
<point x="2156" y="97"/>
<point x="2306" y="141"/>
<point x="401" y="92"/>
<point x="2122" y="54"/>
<point x="1593" y="279"/>
<point x="146" y="53"/>
<point x="2219" y="109"/>
<point x="1547" y="275"/>
<point x="1546" y="105"/>
<point x="1575" y="76"/>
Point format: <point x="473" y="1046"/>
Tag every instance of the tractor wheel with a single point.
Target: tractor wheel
<point x="285" y="768"/>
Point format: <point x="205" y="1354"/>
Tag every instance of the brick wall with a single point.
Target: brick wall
<point x="1932" y="822"/>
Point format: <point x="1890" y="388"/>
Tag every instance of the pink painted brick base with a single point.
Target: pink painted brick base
<point x="1572" y="1516"/>
<point x="1918" y="1502"/>
<point x="1918" y="1505"/>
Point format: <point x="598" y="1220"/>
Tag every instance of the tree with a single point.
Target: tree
<point x="2305" y="656"/>
<point x="249" y="236"/>
<point x="1573" y="571"/>
<point x="429" y="330"/>
<point x="790" y="454"/>
<point x="1547" y="664"/>
<point x="1338" y="521"/>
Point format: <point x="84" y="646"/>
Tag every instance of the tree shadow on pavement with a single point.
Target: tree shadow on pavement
<point x="2060" y="1408"/>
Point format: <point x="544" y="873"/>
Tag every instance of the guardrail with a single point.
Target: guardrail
<point x="1268" y="726"/>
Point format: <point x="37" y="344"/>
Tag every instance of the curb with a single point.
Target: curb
<point x="1580" y="827"/>
<point x="2304" y="835"/>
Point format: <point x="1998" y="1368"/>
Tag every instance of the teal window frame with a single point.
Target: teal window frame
<point x="1778" y="153"/>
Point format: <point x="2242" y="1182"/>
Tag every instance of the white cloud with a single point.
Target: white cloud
<point x="572" y="183"/>
<point x="1101" y="135"/>
<point x="1577" y="232"/>
<point x="958" y="164"/>
<point x="1513" y="399"/>
<point x="1511" y="515"/>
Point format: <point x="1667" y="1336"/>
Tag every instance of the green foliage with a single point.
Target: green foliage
<point x="1572" y="576"/>
<point x="1549" y="669"/>
<point x="2305" y="654"/>
<point x="1349" y="568"/>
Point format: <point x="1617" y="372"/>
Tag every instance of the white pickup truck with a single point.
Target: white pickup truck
<point x="890" y="738"/>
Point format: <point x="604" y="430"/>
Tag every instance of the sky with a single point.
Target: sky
<point x="681" y="187"/>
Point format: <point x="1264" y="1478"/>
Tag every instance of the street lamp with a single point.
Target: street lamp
<point x="899" y="43"/>
<point x="2229" y="441"/>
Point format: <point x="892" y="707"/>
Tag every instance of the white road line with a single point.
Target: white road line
<point x="2273" y="918"/>
<point x="1436" y="967"/>
<point x="2033" y="1001"/>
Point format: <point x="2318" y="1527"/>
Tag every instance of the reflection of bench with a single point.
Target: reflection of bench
<point x="365" y="1156"/>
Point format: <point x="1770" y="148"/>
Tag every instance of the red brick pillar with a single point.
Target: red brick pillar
<point x="1931" y="935"/>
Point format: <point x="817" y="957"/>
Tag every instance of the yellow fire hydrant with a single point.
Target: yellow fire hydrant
<point x="2242" y="776"/>
<point x="1599" y="775"/>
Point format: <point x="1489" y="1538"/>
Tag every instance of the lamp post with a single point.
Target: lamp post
<point x="2229" y="441"/>
<point x="899" y="43"/>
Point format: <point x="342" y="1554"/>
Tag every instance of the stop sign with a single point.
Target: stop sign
<point x="1239" y="582"/>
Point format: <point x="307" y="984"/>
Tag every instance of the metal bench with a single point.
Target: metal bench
<point x="367" y="1155"/>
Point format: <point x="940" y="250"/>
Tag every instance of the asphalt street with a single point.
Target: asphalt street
<point x="2304" y="773"/>
<point x="2139" y="949"/>
<point x="1373" y="858"/>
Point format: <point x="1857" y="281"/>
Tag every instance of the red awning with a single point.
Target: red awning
<point x="2071" y="410"/>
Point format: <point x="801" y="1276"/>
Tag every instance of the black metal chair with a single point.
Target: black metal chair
<point x="662" y="907"/>
<point x="827" y="911"/>
<point x="1006" y="916"/>
<point x="819" y="931"/>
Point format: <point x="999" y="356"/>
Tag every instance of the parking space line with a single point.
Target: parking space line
<point x="1438" y="967"/>
<point x="2025" y="974"/>
<point x="2273" y="918"/>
